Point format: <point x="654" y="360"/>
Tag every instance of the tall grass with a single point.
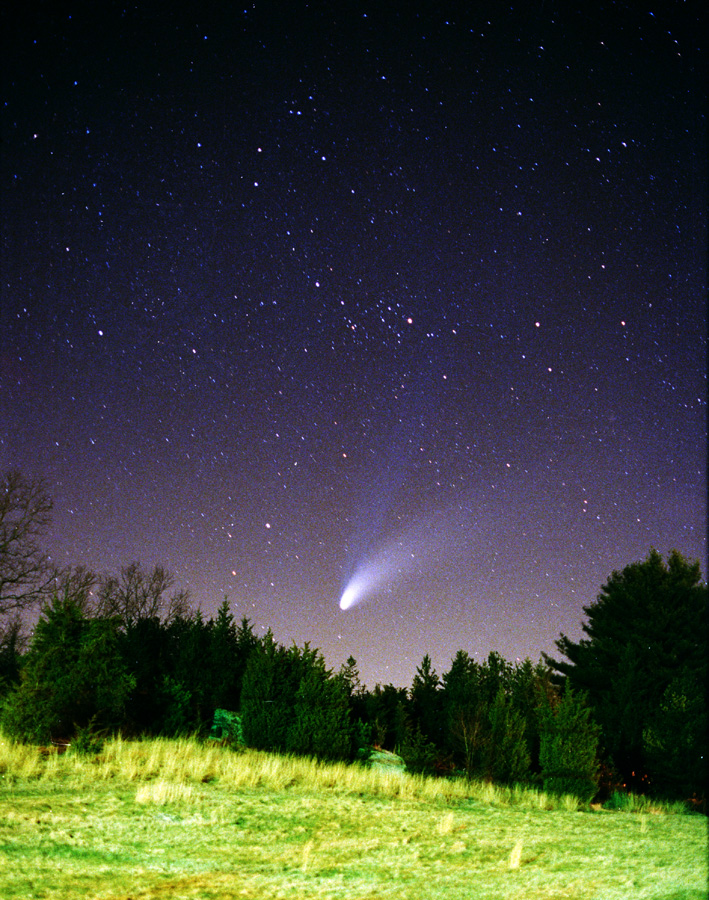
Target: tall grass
<point x="168" y="769"/>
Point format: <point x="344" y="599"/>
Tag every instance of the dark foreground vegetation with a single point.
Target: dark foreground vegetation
<point x="624" y="710"/>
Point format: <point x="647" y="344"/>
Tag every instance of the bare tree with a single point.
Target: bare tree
<point x="26" y="574"/>
<point x="136" y="594"/>
<point x="79" y="583"/>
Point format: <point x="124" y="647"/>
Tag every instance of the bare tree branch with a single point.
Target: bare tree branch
<point x="79" y="583"/>
<point x="136" y="594"/>
<point x="26" y="574"/>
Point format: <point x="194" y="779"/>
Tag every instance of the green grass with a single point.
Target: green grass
<point x="179" y="819"/>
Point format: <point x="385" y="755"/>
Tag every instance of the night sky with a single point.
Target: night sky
<point x="412" y="301"/>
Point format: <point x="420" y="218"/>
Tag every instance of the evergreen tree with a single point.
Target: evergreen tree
<point x="675" y="740"/>
<point x="527" y="682"/>
<point x="73" y="676"/>
<point x="246" y="644"/>
<point x="268" y="698"/>
<point x="321" y="718"/>
<point x="648" y="627"/>
<point x="145" y="650"/>
<point x="187" y="688"/>
<point x="264" y="725"/>
<point x="506" y="756"/>
<point x="569" y="744"/>
<point x="419" y="754"/>
<point x="383" y="714"/>
<point x="357" y="700"/>
<point x="224" y="688"/>
<point x="349" y="675"/>
<point x="466" y="712"/>
<point x="11" y="644"/>
<point x="425" y="705"/>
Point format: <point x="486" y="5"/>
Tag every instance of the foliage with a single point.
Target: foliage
<point x="146" y="651"/>
<point x="227" y="727"/>
<point x="73" y="674"/>
<point x="291" y="702"/>
<point x="485" y="730"/>
<point x="425" y="702"/>
<point x="271" y="682"/>
<point x="88" y="740"/>
<point x="569" y="744"/>
<point x="418" y="752"/>
<point x="185" y="668"/>
<point x="321" y="719"/>
<point x="383" y="708"/>
<point x="675" y="740"/>
<point x="507" y="759"/>
<point x="648" y="627"/>
<point x="175" y="701"/>
<point x="11" y="645"/>
<point x="528" y="683"/>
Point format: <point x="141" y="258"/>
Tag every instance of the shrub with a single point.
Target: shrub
<point x="227" y="727"/>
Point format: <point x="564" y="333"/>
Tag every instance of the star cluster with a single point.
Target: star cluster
<point x="289" y="292"/>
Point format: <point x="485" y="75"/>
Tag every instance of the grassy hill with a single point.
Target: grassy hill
<point x="180" y="819"/>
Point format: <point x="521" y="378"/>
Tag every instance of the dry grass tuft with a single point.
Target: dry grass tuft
<point x="516" y="855"/>
<point x="162" y="792"/>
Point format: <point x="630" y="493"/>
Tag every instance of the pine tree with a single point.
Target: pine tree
<point x="145" y="650"/>
<point x="527" y="681"/>
<point x="569" y="745"/>
<point x="648" y="627"/>
<point x="321" y="717"/>
<point x="268" y="698"/>
<point x="262" y="709"/>
<point x="73" y="676"/>
<point x="186" y="691"/>
<point x="675" y="740"/>
<point x="506" y="756"/>
<point x="425" y="705"/>
<point x="382" y="712"/>
<point x="224" y="686"/>
<point x="466" y="714"/>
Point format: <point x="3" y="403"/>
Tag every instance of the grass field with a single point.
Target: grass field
<point x="178" y="819"/>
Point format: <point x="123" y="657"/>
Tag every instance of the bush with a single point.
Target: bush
<point x="88" y="740"/>
<point x="418" y="753"/>
<point x="227" y="727"/>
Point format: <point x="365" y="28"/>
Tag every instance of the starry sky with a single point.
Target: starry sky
<point x="297" y="297"/>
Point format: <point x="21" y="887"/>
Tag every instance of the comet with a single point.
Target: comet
<point x="428" y="543"/>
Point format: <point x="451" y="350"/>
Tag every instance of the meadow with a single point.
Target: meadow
<point x="185" y="819"/>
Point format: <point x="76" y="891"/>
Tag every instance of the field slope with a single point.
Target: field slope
<point x="179" y="820"/>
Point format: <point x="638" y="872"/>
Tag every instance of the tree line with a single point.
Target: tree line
<point x="626" y="707"/>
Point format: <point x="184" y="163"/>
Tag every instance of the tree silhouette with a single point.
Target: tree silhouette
<point x="136" y="594"/>
<point x="425" y="702"/>
<point x="26" y="574"/>
<point x="648" y="627"/>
